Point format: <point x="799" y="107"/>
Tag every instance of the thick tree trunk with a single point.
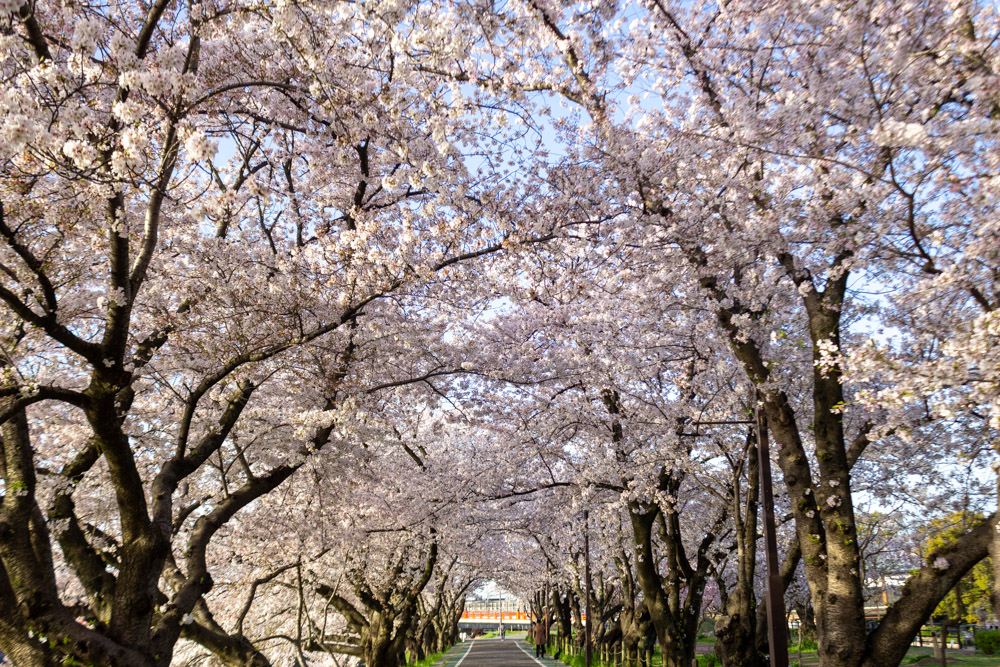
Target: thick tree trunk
<point x="633" y="620"/>
<point x="561" y="607"/>
<point x="441" y="633"/>
<point x="451" y="636"/>
<point x="576" y="614"/>
<point x="631" y="630"/>
<point x="29" y="601"/>
<point x="16" y="643"/>
<point x="823" y="509"/>
<point x="647" y="642"/>
<point x="429" y="640"/>
<point x="413" y="647"/>
<point x="17" y="505"/>
<point x="735" y="632"/>
<point x="379" y="648"/>
<point x="675" y="620"/>
<point x="384" y="631"/>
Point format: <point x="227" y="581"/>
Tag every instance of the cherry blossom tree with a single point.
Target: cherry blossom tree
<point x="615" y="416"/>
<point x="760" y="145"/>
<point x="218" y="222"/>
<point x="402" y="286"/>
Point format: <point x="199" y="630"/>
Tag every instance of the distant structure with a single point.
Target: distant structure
<point x="485" y="611"/>
<point x="496" y="601"/>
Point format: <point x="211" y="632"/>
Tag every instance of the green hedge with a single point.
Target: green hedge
<point x="988" y="641"/>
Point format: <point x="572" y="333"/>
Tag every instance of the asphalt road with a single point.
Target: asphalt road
<point x="510" y="652"/>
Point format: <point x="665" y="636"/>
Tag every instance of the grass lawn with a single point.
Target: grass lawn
<point x="964" y="660"/>
<point x="578" y="661"/>
<point x="915" y="656"/>
<point x="426" y="662"/>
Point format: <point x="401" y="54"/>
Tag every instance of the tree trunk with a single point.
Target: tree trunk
<point x="379" y="649"/>
<point x="735" y="633"/>
<point x="28" y="651"/>
<point x="675" y="620"/>
<point x="429" y="640"/>
<point x="825" y="524"/>
<point x="633" y="620"/>
<point x="561" y="607"/>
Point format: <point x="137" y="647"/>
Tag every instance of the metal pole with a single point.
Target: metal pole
<point x="548" y="630"/>
<point x="586" y="575"/>
<point x="777" y="632"/>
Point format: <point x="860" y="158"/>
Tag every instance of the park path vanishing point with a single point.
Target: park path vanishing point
<point x="494" y="653"/>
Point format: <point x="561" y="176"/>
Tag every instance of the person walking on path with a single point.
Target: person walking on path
<point x="540" y="640"/>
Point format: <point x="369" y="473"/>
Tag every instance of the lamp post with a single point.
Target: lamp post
<point x="777" y="632"/>
<point x="545" y="611"/>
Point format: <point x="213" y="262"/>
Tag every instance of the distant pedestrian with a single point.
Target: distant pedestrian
<point x="540" y="639"/>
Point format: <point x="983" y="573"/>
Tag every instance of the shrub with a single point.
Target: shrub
<point x="988" y="641"/>
<point x="708" y="660"/>
<point x="808" y="643"/>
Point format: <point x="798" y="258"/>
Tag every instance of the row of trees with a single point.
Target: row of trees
<point x="314" y="314"/>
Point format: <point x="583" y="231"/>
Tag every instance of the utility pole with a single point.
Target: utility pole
<point x="586" y="576"/>
<point x="777" y="631"/>
<point x="545" y="612"/>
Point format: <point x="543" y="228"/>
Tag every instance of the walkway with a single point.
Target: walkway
<point x="511" y="652"/>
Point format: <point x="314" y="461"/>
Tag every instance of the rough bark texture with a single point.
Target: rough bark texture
<point x="922" y="593"/>
<point x="674" y="596"/>
<point x="381" y="630"/>
<point x="562" y="613"/>
<point x="634" y="619"/>
<point x="826" y="528"/>
<point x="28" y="595"/>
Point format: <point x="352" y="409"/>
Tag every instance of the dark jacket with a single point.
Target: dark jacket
<point x="539" y="635"/>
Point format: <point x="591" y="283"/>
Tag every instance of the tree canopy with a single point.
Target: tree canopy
<point x="316" y="315"/>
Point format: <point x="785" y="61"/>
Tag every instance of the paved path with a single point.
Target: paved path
<point x="510" y="652"/>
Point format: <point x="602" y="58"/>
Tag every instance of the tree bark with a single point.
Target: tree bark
<point x="674" y="598"/>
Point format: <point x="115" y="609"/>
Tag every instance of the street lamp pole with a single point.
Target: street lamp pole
<point x="777" y="630"/>
<point x="586" y="576"/>
<point x="545" y="611"/>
